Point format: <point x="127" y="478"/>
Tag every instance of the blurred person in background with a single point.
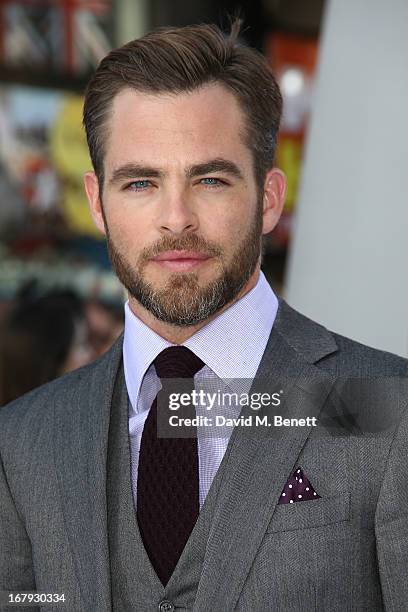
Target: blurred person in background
<point x="105" y="324"/>
<point x="41" y="338"/>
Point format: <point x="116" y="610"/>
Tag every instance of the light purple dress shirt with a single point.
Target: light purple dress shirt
<point x="231" y="346"/>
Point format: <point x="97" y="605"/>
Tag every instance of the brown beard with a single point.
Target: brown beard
<point x="182" y="301"/>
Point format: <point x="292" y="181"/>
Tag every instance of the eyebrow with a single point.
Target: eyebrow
<point x="214" y="165"/>
<point x="129" y="171"/>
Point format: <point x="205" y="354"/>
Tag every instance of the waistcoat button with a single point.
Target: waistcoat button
<point x="166" y="606"/>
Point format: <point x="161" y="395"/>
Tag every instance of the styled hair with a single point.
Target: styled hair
<point x="176" y="60"/>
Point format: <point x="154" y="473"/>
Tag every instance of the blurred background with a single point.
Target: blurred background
<point x="340" y="250"/>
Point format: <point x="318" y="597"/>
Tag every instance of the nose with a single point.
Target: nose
<point x="177" y="214"/>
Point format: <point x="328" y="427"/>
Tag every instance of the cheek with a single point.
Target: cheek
<point x="223" y="216"/>
<point x="129" y="230"/>
<point x="228" y="226"/>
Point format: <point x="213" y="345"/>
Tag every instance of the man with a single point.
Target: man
<point x="95" y="504"/>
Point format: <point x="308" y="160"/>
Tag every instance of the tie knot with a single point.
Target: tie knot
<point x="177" y="362"/>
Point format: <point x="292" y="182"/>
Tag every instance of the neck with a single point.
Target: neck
<point x="177" y="334"/>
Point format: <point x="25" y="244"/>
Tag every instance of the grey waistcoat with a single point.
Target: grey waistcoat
<point x="135" y="585"/>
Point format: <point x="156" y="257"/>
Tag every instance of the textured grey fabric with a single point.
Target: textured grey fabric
<point x="133" y="581"/>
<point x="128" y="558"/>
<point x="347" y="550"/>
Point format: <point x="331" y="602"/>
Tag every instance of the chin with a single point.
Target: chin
<point x="167" y="278"/>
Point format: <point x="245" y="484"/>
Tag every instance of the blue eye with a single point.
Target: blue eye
<point x="138" y="185"/>
<point x="213" y="182"/>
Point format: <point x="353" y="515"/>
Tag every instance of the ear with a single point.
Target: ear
<point x="91" y="184"/>
<point x="274" y="198"/>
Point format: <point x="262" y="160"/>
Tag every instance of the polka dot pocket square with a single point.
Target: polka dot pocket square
<point x="297" y="489"/>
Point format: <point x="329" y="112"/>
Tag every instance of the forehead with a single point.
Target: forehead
<point x="176" y="128"/>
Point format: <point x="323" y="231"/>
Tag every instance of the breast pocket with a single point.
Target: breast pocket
<point x="313" y="513"/>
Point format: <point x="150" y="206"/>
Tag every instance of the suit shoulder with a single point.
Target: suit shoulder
<point x="34" y="409"/>
<point x="36" y="403"/>
<point x="332" y="351"/>
<point x="368" y="361"/>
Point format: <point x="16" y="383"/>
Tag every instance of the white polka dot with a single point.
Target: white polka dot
<point x="297" y="478"/>
<point x="300" y="497"/>
<point x="291" y="501"/>
<point x="298" y="471"/>
<point x="290" y="486"/>
<point x="300" y="480"/>
<point x="283" y="494"/>
<point x="314" y="492"/>
<point x="307" y="488"/>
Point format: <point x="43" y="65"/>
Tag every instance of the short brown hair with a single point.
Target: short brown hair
<point x="182" y="59"/>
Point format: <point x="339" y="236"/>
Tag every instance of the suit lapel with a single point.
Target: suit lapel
<point x="261" y="459"/>
<point x="81" y="422"/>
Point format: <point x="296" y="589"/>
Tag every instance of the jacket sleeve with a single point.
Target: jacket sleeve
<point x="391" y="524"/>
<point x="16" y="568"/>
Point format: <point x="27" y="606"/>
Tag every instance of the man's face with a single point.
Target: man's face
<point x="180" y="206"/>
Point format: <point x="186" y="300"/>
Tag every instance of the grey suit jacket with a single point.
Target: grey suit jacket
<point x="347" y="550"/>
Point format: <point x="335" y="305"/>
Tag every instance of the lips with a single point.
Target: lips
<point x="180" y="260"/>
<point x="180" y="255"/>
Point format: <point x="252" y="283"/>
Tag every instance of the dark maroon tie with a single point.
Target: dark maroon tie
<point x="167" y="481"/>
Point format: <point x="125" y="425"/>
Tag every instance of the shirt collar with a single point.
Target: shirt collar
<point x="241" y="331"/>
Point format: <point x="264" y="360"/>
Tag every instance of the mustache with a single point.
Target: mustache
<point x="188" y="242"/>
